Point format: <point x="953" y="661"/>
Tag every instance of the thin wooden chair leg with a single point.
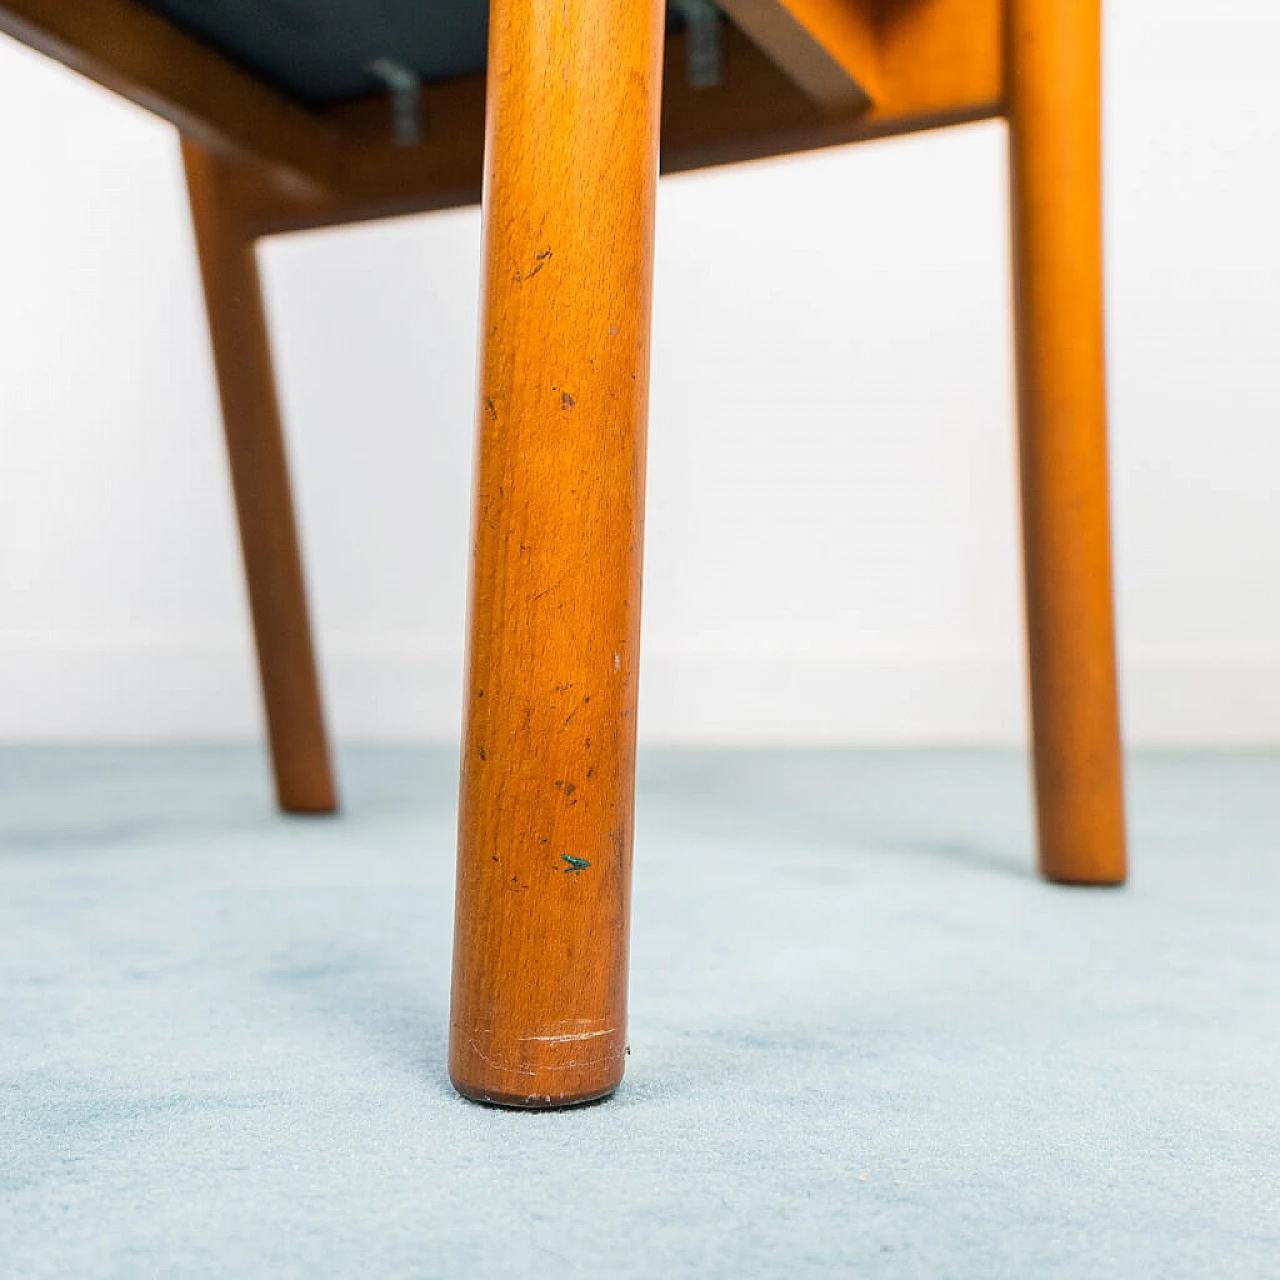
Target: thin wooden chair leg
<point x="1054" y="119"/>
<point x="260" y="481"/>
<point x="544" y="854"/>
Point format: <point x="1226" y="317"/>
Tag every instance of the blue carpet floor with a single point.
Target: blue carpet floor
<point x="865" y="1039"/>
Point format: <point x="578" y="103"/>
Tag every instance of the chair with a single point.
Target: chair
<point x="309" y="113"/>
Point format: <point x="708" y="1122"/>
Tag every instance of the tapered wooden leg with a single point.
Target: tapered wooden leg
<point x="544" y="854"/>
<point x="1053" y="103"/>
<point x="260" y="480"/>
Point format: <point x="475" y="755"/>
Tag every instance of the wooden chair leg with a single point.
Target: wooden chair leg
<point x="260" y="480"/>
<point x="1054" y="121"/>
<point x="544" y="860"/>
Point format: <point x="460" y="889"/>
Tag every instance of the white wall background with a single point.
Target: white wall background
<point x="832" y="533"/>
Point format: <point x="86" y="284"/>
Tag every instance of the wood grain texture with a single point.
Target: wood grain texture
<point x="140" y="56"/>
<point x="544" y="853"/>
<point x="260" y="481"/>
<point x="1055" y="131"/>
<point x="827" y="48"/>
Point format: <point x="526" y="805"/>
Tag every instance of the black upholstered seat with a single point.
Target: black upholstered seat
<point x="318" y="51"/>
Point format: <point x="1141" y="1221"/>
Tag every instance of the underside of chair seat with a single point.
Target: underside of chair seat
<point x="299" y="88"/>
<point x="318" y="51"/>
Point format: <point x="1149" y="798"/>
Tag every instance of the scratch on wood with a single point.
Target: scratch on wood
<point x="540" y="260"/>
<point x="580" y="1035"/>
<point x="498" y="1066"/>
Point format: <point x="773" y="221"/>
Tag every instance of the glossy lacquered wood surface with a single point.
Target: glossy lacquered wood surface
<point x="1055" y="139"/>
<point x="260" y="482"/>
<point x="544" y="854"/>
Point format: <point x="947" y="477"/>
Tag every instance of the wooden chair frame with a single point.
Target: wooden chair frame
<point x="564" y="141"/>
